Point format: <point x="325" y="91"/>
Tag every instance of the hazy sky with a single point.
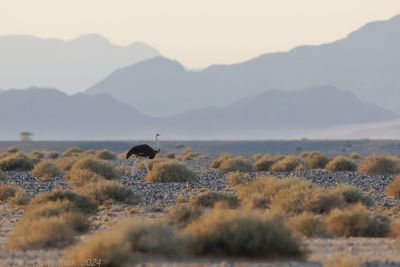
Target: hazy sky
<point x="197" y="32"/>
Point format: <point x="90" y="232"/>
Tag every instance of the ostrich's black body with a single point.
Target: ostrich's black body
<point x="144" y="151"/>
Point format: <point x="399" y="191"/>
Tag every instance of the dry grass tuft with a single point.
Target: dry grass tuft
<point x="352" y="194"/>
<point x="211" y="198"/>
<point x="378" y="165"/>
<point x="101" y="167"/>
<point x="235" y="164"/>
<point x="16" y="162"/>
<point x="105" y="154"/>
<point x="288" y="164"/>
<point x="393" y="189"/>
<point x="264" y="164"/>
<point x="340" y="163"/>
<point x="229" y="233"/>
<point x="72" y="152"/>
<point x="170" y="171"/>
<point x="45" y="170"/>
<point x="237" y="178"/>
<point x="48" y="232"/>
<point x="105" y="190"/>
<point x="357" y="221"/>
<point x="66" y="163"/>
<point x="14" y="195"/>
<point x="183" y="214"/>
<point x="307" y="224"/>
<point x="80" y="177"/>
<point x="316" y="160"/>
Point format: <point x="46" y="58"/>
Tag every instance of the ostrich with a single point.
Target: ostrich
<point x="143" y="151"/>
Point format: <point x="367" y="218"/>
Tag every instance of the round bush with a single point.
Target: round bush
<point x="101" y="167"/>
<point x="45" y="170"/>
<point x="170" y="171"/>
<point x="227" y="233"/>
<point x="105" y="154"/>
<point x="16" y="162"/>
<point x="264" y="164"/>
<point x="210" y="198"/>
<point x="287" y="164"/>
<point x="237" y="178"/>
<point x="235" y="164"/>
<point x="378" y="165"/>
<point x="340" y="163"/>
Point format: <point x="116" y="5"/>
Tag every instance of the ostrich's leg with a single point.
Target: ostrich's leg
<point x="147" y="165"/>
<point x="134" y="166"/>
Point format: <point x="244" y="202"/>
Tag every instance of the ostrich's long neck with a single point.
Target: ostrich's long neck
<point x="158" y="145"/>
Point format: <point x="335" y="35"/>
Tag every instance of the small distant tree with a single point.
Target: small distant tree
<point x="26" y="136"/>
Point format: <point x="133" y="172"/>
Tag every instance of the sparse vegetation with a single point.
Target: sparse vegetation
<point x="170" y="171"/>
<point x="237" y="178"/>
<point x="378" y="165"/>
<point x="357" y="221"/>
<point x="235" y="164"/>
<point x="340" y="163"/>
<point x="288" y="164"/>
<point x="16" y="162"/>
<point x="45" y="170"/>
<point x="105" y="154"/>
<point x="13" y="194"/>
<point x="229" y="233"/>
<point x="183" y="214"/>
<point x="101" y="167"/>
<point x="210" y="198"/>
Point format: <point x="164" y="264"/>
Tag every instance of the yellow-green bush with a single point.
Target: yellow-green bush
<point x="357" y="221"/>
<point x="182" y="214"/>
<point x="16" y="162"/>
<point x="13" y="194"/>
<point x="228" y="233"/>
<point x="170" y="171"/>
<point x="288" y="164"/>
<point x="101" y="167"/>
<point x="237" y="178"/>
<point x="264" y="164"/>
<point x="105" y="154"/>
<point x="378" y="165"/>
<point x="236" y="164"/>
<point x="41" y="233"/>
<point x="210" y="198"/>
<point x="45" y="170"/>
<point x="105" y="190"/>
<point x="340" y="163"/>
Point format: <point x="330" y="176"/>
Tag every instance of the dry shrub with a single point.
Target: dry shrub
<point x="105" y="190"/>
<point x="66" y="163"/>
<point x="236" y="164"/>
<point x="237" y="178"/>
<point x="72" y="152"/>
<point x="16" y="162"/>
<point x="352" y="194"/>
<point x="101" y="167"/>
<point x="217" y="162"/>
<point x="340" y="163"/>
<point x="40" y="233"/>
<point x="3" y="177"/>
<point x="170" y="171"/>
<point x="264" y="164"/>
<point x="78" y="222"/>
<point x="170" y="155"/>
<point x="80" y="177"/>
<point x="13" y="194"/>
<point x="12" y="150"/>
<point x="123" y="170"/>
<point x="344" y="261"/>
<point x="183" y="214"/>
<point x="80" y="202"/>
<point x="256" y="201"/>
<point x="106" y="248"/>
<point x="229" y="233"/>
<point x="316" y="160"/>
<point x="188" y="154"/>
<point x="45" y="170"/>
<point x="51" y="155"/>
<point x="105" y="154"/>
<point x="357" y="221"/>
<point x="37" y="154"/>
<point x="378" y="165"/>
<point x="288" y="164"/>
<point x="355" y="156"/>
<point x="210" y="198"/>
<point x="393" y="189"/>
<point x="307" y="224"/>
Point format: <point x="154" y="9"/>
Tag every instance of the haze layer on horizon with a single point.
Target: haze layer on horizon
<point x="197" y="33"/>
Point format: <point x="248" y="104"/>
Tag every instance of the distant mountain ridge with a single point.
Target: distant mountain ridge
<point x="71" y="66"/>
<point x="51" y="114"/>
<point x="366" y="63"/>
